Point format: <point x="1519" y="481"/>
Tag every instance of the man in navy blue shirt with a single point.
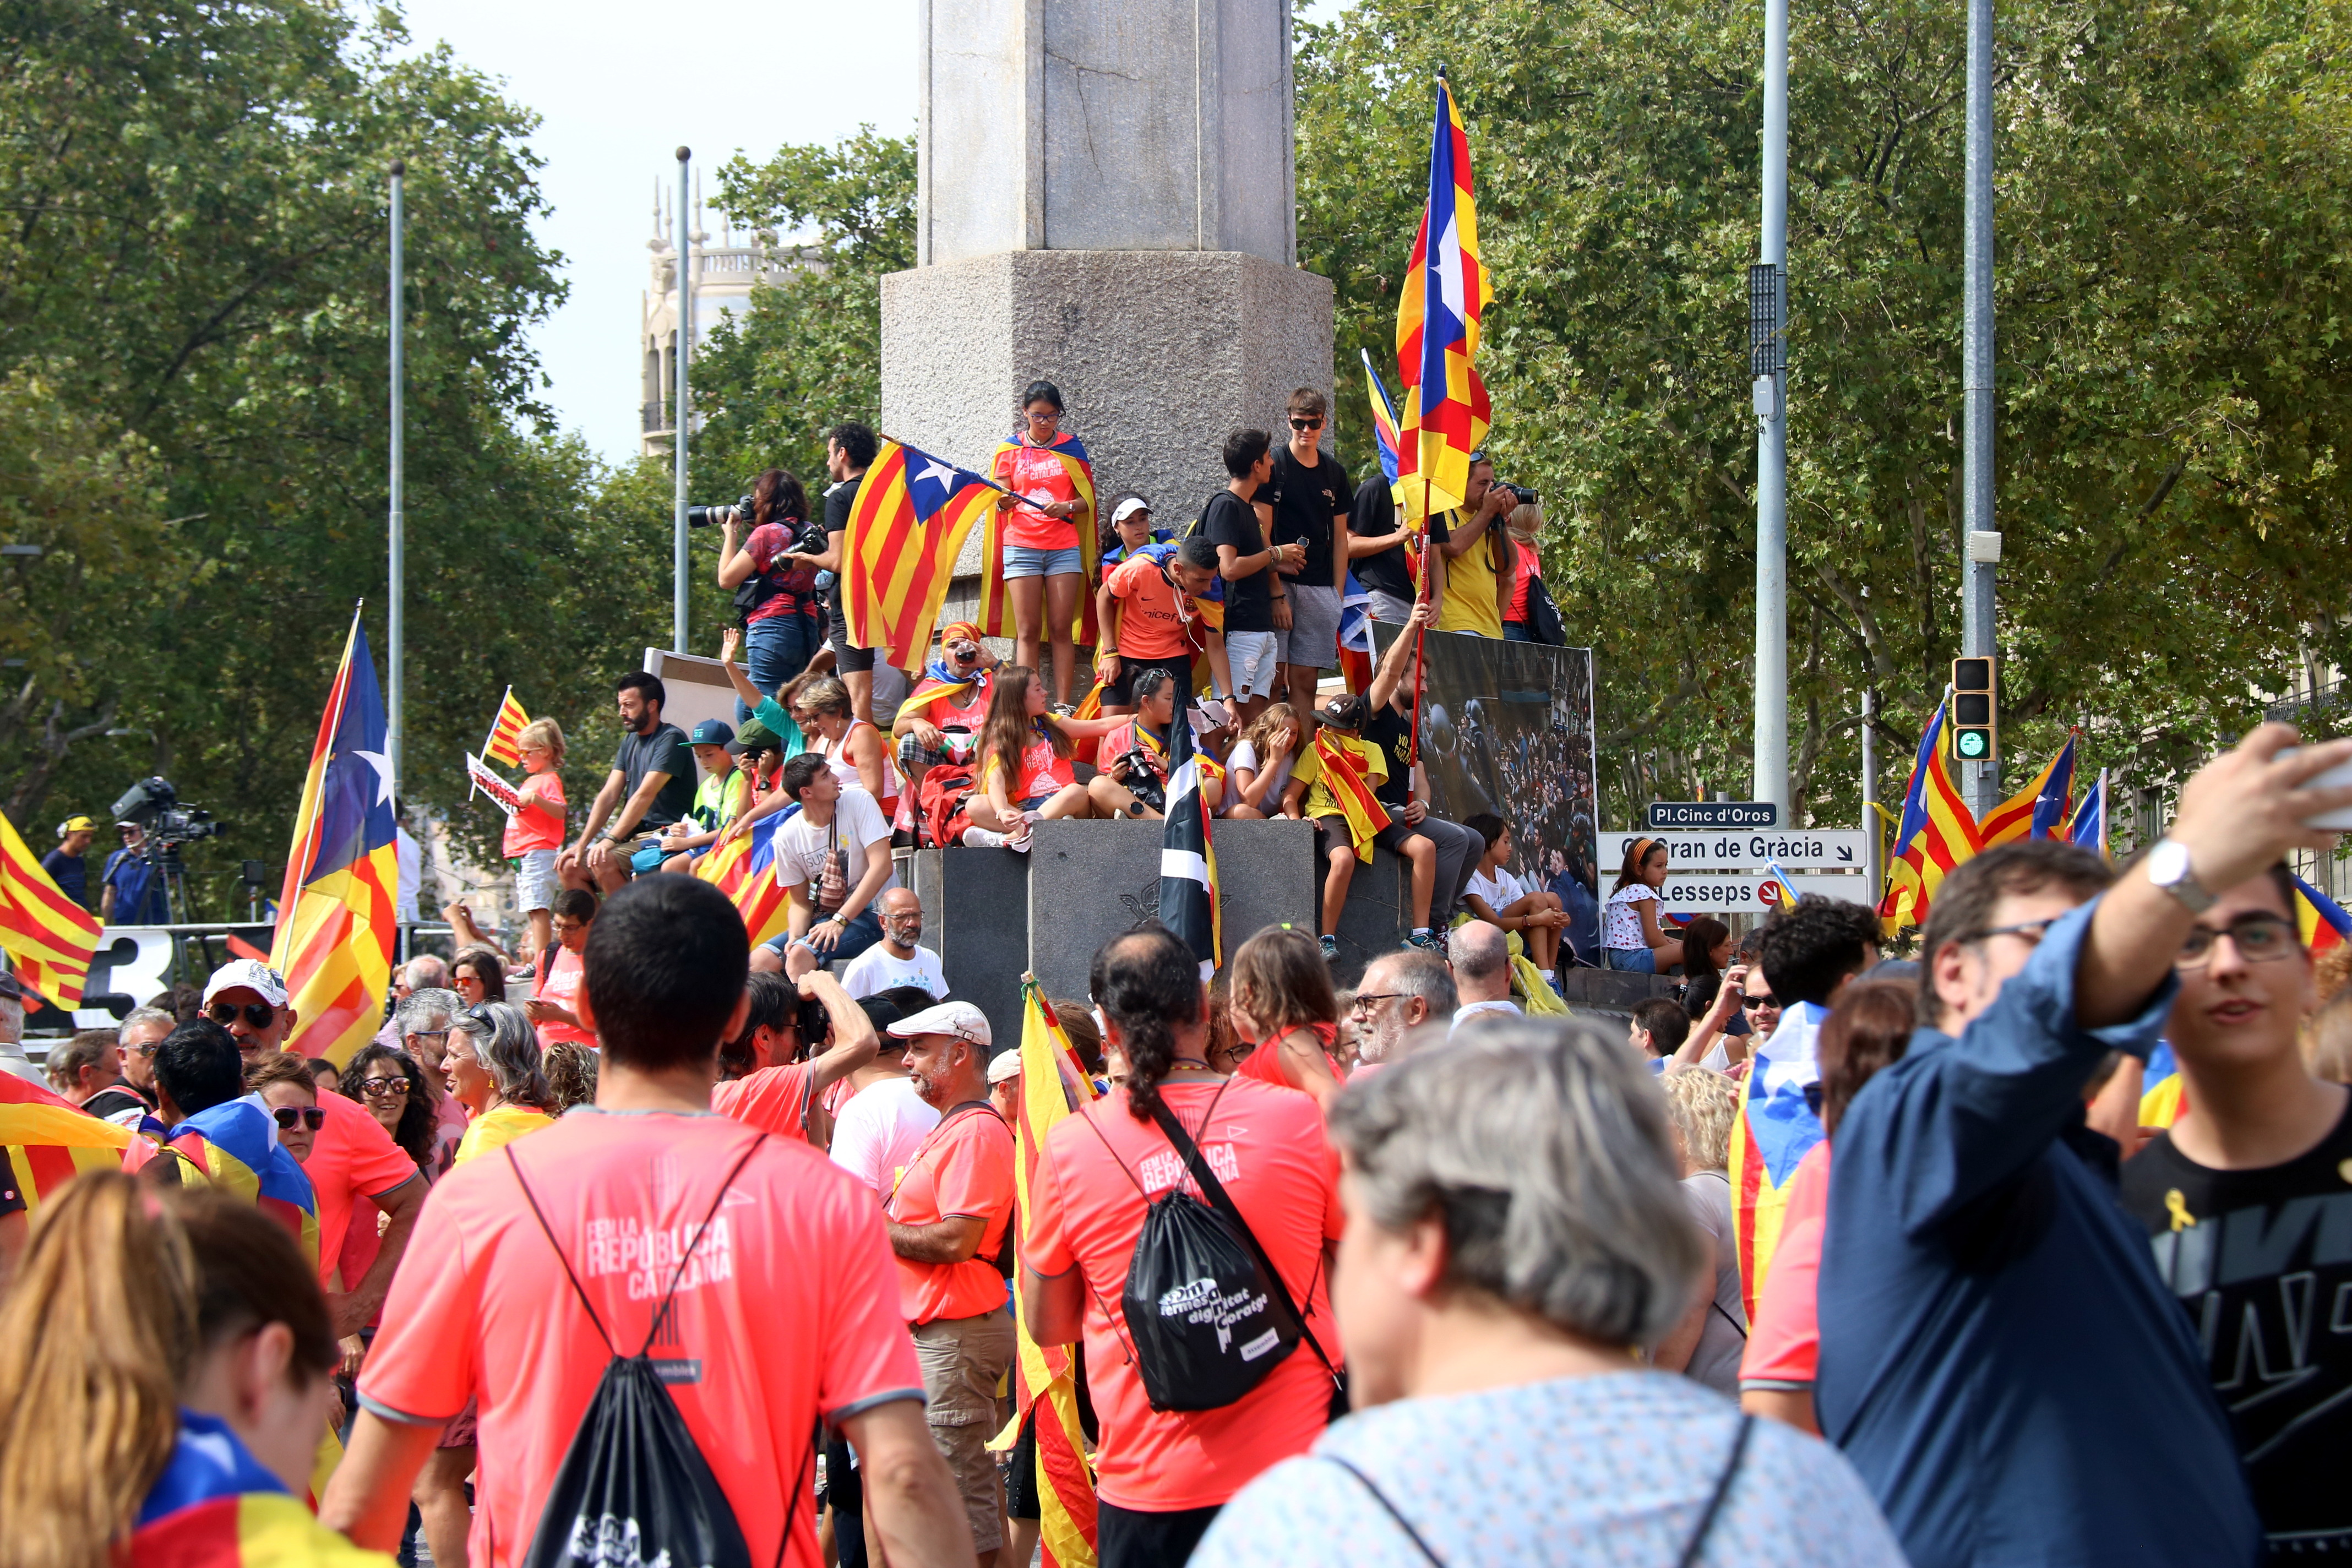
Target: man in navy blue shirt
<point x="1999" y="1360"/>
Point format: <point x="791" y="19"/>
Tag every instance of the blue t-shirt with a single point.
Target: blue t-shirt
<point x="70" y="873"/>
<point x="1612" y="1469"/>
<point x="138" y="891"/>
<point x="1998" y="1358"/>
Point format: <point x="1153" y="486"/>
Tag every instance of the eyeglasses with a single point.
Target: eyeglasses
<point x="292" y="1116"/>
<point x="2259" y="939"/>
<point x="1369" y="1002"/>
<point x="1752" y="1002"/>
<point x="2030" y="931"/>
<point x="430" y="1034"/>
<point x="258" y="1014"/>
<point x="384" y="1088"/>
<point x="1298" y="424"/>
<point x="145" y="1050"/>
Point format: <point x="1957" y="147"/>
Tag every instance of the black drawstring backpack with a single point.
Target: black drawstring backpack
<point x="633" y="1487"/>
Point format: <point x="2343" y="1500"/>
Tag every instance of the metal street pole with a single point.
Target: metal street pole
<point x="1870" y="793"/>
<point x="1981" y="782"/>
<point x="1770" y="388"/>
<point x="399" y="522"/>
<point x="677" y="438"/>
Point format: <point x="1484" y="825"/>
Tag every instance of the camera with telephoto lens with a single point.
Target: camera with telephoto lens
<point x="1138" y="770"/>
<point x="707" y="516"/>
<point x="155" y="806"/>
<point x="1520" y="496"/>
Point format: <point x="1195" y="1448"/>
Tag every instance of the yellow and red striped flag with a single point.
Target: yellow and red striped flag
<point x="744" y="869"/>
<point x="995" y="603"/>
<point x="505" y="745"/>
<point x="905" y="534"/>
<point x="1446" y="291"/>
<point x="1342" y="772"/>
<point x="1052" y="1085"/>
<point x="51" y="938"/>
<point x="1937" y="833"/>
<point x="48" y="1141"/>
<point x="335" y="919"/>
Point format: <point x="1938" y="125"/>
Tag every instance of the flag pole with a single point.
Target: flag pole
<point x="684" y="352"/>
<point x="398" y="520"/>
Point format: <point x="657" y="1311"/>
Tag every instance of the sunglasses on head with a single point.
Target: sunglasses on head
<point x="292" y="1116"/>
<point x="258" y="1014"/>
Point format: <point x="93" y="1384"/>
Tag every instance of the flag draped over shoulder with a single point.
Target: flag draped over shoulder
<point x="1445" y="292"/>
<point x="2321" y="921"/>
<point x="48" y="1141"/>
<point x="905" y="532"/>
<point x="1773" y="1132"/>
<point x="1188" y="853"/>
<point x="2042" y="809"/>
<point x="505" y="745"/>
<point x="2088" y="830"/>
<point x="1935" y="833"/>
<point x="231" y="1147"/>
<point x="744" y="868"/>
<point x="335" y="918"/>
<point x="995" y="605"/>
<point x="1343" y="775"/>
<point x="51" y="938"/>
<point x="1052" y="1085"/>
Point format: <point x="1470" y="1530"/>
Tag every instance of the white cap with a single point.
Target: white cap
<point x="251" y="973"/>
<point x="1004" y="1065"/>
<point x="961" y="1019"/>
<point x="1127" y="508"/>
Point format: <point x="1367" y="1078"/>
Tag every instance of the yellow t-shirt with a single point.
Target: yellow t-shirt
<point x="1471" y="605"/>
<point x="496" y="1129"/>
<point x="1319" y="800"/>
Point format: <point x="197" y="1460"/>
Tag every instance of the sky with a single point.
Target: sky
<point x="615" y="105"/>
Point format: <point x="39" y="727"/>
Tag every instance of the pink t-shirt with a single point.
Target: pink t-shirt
<point x="1530" y="566"/>
<point x="773" y="1099"/>
<point x="561" y="987"/>
<point x="1267" y="1148"/>
<point x="963" y="1169"/>
<point x="1784" y="1343"/>
<point x="528" y="829"/>
<point x="1044" y="477"/>
<point x="353" y="1159"/>
<point x="483" y="1310"/>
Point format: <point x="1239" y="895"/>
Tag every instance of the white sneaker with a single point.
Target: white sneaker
<point x="982" y="839"/>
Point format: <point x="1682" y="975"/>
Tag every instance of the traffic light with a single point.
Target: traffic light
<point x="1973" y="710"/>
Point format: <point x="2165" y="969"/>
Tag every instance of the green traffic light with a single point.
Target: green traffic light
<point x="1972" y="744"/>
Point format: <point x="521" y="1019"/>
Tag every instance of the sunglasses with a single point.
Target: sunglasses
<point x="290" y="1116"/>
<point x="1298" y="424"/>
<point x="1752" y="1002"/>
<point x="383" y="1087"/>
<point x="258" y="1014"/>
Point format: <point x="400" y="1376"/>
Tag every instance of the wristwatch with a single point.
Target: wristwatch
<point x="2167" y="868"/>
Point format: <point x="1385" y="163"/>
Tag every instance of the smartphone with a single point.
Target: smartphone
<point x="2338" y="777"/>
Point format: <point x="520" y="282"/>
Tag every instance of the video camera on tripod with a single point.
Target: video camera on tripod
<point x="155" y="806"/>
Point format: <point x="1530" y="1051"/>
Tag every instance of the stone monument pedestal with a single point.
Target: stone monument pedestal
<point x="1161" y="352"/>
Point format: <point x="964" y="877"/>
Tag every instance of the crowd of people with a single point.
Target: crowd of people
<point x="1399" y="1275"/>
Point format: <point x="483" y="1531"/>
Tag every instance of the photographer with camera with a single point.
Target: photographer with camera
<point x="1134" y="778"/>
<point x="1481" y="567"/>
<point x="773" y="575"/>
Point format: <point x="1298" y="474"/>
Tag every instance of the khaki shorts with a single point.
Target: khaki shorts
<point x="963" y="1361"/>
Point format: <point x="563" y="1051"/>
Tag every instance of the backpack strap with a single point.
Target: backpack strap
<point x="1223" y="1203"/>
<point x="1381" y="1498"/>
<point x="1715" y="1499"/>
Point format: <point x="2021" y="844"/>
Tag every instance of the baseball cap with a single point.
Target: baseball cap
<point x="961" y="1019"/>
<point x="1129" y="508"/>
<point x="251" y="973"/>
<point x="1004" y="1065"/>
<point x="76" y="825"/>
<point x="754" y="736"/>
<point x="1345" y="712"/>
<point x="711" y="732"/>
<point x="9" y="990"/>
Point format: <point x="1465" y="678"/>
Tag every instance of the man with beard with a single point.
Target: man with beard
<point x="1400" y="991"/>
<point x="652" y="784"/>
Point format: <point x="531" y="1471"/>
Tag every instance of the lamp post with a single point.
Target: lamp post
<point x="1981" y="782"/>
<point x="1768" y="350"/>
<point x="677" y="440"/>
<point x="398" y="565"/>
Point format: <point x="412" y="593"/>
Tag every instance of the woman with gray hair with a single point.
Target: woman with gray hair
<point x="1514" y="1231"/>
<point x="493" y="1071"/>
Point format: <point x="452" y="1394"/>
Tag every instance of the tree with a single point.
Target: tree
<point x="2173" y="393"/>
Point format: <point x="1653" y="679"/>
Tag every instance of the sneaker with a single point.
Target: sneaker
<point x="1330" y="946"/>
<point x="1066" y="710"/>
<point x="988" y="838"/>
<point x="1427" y="942"/>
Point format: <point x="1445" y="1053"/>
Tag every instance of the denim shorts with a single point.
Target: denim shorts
<point x="535" y="881"/>
<point x="855" y="938"/>
<point x="1021" y="560"/>
<point x="1254" y="657"/>
<point x="1632" y="959"/>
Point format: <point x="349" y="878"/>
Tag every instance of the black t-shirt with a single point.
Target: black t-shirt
<point x="1305" y="500"/>
<point x="2261" y="1262"/>
<point x="838" y="500"/>
<point x="1374" y="515"/>
<point x="664" y="751"/>
<point x="1249" y="603"/>
<point x="1390" y="730"/>
<point x="114" y="1099"/>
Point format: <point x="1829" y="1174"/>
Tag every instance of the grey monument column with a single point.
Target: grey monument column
<point x="1107" y="201"/>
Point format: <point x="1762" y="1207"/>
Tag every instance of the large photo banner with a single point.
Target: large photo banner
<point x="1507" y="727"/>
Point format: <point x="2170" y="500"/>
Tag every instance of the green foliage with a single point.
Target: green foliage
<point x="2173" y="385"/>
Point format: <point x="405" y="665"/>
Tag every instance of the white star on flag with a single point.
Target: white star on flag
<point x="382" y="763"/>
<point x="942" y="472"/>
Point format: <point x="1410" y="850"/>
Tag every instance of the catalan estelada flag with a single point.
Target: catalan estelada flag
<point x="905" y="534"/>
<point x="1188" y="850"/>
<point x="1445" y="292"/>
<point x="2322" y="922"/>
<point x="232" y="1148"/>
<point x="51" y="938"/>
<point x="2088" y="830"/>
<point x="335" y="919"/>
<point x="50" y="1141"/>
<point x="1384" y="424"/>
<point x="2042" y="809"/>
<point x="505" y="745"/>
<point x="1775" y="1129"/>
<point x="1052" y="1085"/>
<point x="995" y="605"/>
<point x="744" y="868"/>
<point x="215" y="1505"/>
<point x="1937" y="833"/>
